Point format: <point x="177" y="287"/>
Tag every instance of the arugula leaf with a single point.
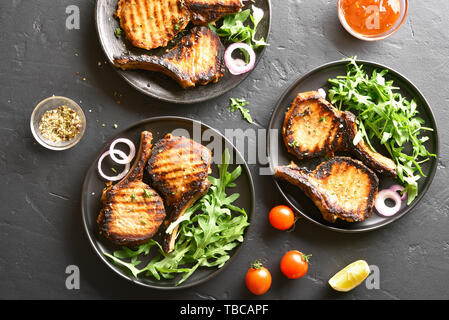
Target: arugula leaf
<point x="383" y="114"/>
<point x="238" y="104"/>
<point x="233" y="28"/>
<point x="209" y="230"/>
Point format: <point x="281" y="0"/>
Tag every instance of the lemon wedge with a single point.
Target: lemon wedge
<point x="350" y="277"/>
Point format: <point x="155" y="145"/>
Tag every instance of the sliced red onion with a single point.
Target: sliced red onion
<point x="238" y="66"/>
<point x="119" y="176"/>
<point x="399" y="188"/>
<point x="381" y="206"/>
<point x="125" y="159"/>
<point x="322" y="93"/>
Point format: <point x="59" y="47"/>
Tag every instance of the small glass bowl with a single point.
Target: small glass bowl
<point x="386" y="34"/>
<point x="53" y="103"/>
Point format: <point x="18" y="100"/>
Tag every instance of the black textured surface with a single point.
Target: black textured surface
<point x="40" y="223"/>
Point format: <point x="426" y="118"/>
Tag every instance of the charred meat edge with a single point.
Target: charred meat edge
<point x="163" y="64"/>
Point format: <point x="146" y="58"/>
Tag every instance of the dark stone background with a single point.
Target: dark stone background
<point x="40" y="223"/>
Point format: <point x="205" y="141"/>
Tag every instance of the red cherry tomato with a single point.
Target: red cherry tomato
<point x="258" y="279"/>
<point x="295" y="264"/>
<point x="281" y="217"/>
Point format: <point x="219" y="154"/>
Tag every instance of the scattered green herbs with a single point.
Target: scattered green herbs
<point x="238" y="104"/>
<point x="147" y="193"/>
<point x="233" y="28"/>
<point x="118" y="33"/>
<point x="293" y="144"/>
<point x="385" y="115"/>
<point x="207" y="233"/>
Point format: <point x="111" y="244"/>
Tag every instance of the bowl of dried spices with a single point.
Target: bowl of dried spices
<point x="58" y="123"/>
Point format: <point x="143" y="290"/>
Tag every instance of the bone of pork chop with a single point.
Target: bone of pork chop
<point x="341" y="188"/>
<point x="132" y="211"/>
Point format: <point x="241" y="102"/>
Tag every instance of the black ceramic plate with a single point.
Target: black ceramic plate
<point x="93" y="186"/>
<point x="158" y="85"/>
<point x="278" y="154"/>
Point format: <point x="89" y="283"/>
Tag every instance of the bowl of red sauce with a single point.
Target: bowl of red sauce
<point x="372" y="20"/>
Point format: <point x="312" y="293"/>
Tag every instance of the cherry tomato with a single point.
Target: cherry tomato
<point x="281" y="217"/>
<point x="258" y="279"/>
<point x="294" y="264"/>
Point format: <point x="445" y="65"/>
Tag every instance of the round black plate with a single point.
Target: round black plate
<point x="318" y="78"/>
<point x="156" y="84"/>
<point x="159" y="126"/>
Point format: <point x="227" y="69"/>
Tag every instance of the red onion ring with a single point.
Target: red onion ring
<point x="399" y="188"/>
<point x="125" y="159"/>
<point x="238" y="66"/>
<point x="382" y="208"/>
<point x="119" y="176"/>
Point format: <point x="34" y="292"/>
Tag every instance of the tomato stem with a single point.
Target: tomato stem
<point x="257" y="264"/>
<point x="306" y="257"/>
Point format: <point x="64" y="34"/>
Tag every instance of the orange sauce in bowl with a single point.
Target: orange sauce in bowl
<point x="371" y="17"/>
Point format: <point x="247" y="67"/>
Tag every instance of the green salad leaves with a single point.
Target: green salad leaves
<point x="383" y="114"/>
<point x="208" y="231"/>
<point x="239" y="104"/>
<point x="234" y="29"/>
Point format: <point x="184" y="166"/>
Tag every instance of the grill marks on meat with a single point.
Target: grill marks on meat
<point x="132" y="211"/>
<point x="205" y="11"/>
<point x="313" y="127"/>
<point x="179" y="168"/>
<point x="150" y="24"/>
<point x="341" y="188"/>
<point x="197" y="59"/>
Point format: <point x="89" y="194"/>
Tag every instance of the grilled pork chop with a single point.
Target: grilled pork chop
<point x="150" y="24"/>
<point x="197" y="59"/>
<point x="179" y="168"/>
<point x="341" y="188"/>
<point x="204" y="11"/>
<point x="132" y="211"/>
<point x="313" y="127"/>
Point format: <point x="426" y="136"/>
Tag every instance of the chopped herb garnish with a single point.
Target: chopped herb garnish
<point x="293" y="144"/>
<point x="147" y="193"/>
<point x="322" y="119"/>
<point x="133" y="197"/>
<point x="118" y="32"/>
<point x="238" y="104"/>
